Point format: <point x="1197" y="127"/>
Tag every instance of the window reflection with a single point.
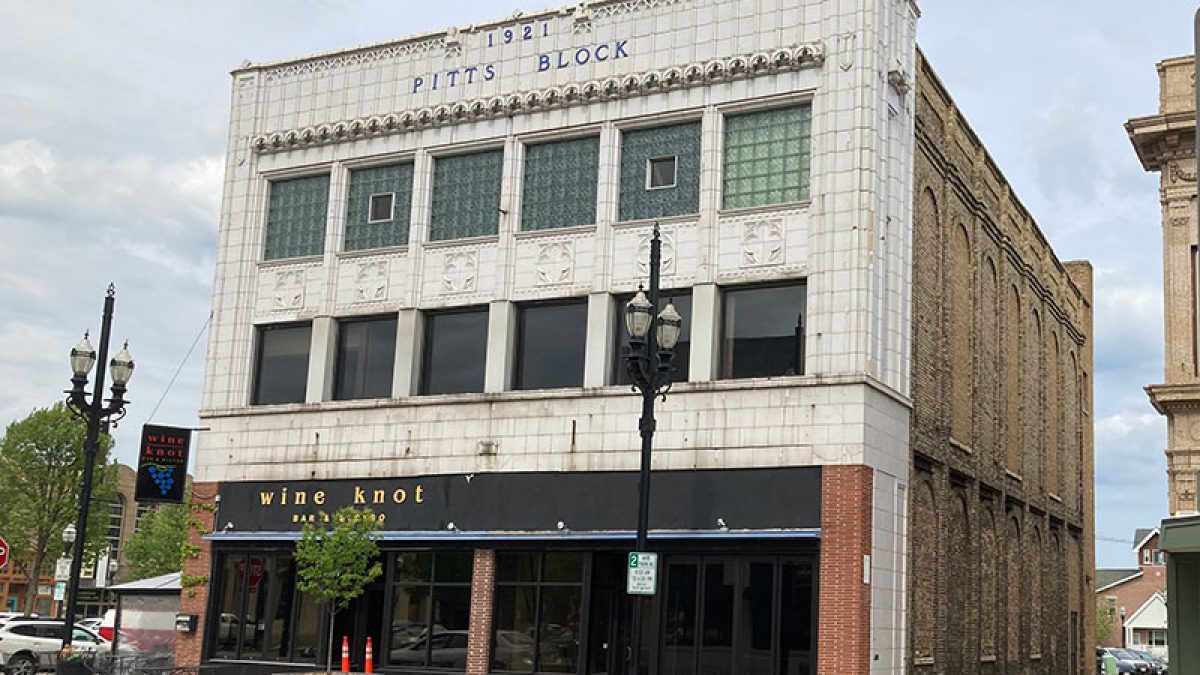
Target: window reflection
<point x="763" y="331"/>
<point x="454" y="352"/>
<point x="539" y="604"/>
<point x="431" y="606"/>
<point x="550" y="345"/>
<point x="282" y="370"/>
<point x="366" y="352"/>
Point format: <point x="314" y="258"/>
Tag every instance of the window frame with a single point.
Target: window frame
<point x="337" y="393"/>
<point x="272" y="181"/>
<point x="260" y="331"/>
<point x="740" y="109"/>
<point x="391" y="584"/>
<point x="539" y="584"/>
<point x="516" y="383"/>
<point x="371" y="220"/>
<point x="539" y="140"/>
<point x="212" y="628"/>
<point x="617" y="348"/>
<point x="722" y="328"/>
<point x="1147" y="556"/>
<point x="431" y="189"/>
<point x="424" y="366"/>
<point x="650" y="172"/>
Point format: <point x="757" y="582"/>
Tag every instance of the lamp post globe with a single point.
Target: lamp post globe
<point x="68" y="534"/>
<point x="638" y="315"/>
<point x="121" y="366"/>
<point x="669" y="325"/>
<point x="83" y="357"/>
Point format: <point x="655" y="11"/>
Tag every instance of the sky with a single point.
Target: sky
<point x="113" y="121"/>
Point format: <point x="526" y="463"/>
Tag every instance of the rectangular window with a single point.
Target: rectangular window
<point x="1158" y="638"/>
<point x="454" y="352"/>
<point x="767" y="156"/>
<point x="366" y="351"/>
<point x="1146" y="556"/>
<point x="296" y="217"/>
<point x="763" y="331"/>
<point x="1158" y="556"/>
<point x="466" y="195"/>
<point x="539" y="602"/>
<point x="431" y="608"/>
<point x="378" y="206"/>
<point x="660" y="171"/>
<point x="281" y="375"/>
<point x="550" y="345"/>
<point x="116" y="520"/>
<point x="559" y="189"/>
<point x="683" y="351"/>
<point x="261" y="614"/>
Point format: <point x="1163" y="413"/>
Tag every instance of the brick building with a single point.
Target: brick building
<point x="1134" y="599"/>
<point x="424" y="251"/>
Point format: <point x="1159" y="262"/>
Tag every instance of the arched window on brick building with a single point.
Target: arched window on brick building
<point x="961" y="315"/>
<point x="1012" y="382"/>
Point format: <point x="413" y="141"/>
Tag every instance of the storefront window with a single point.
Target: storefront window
<point x="539" y="602"/>
<point x="256" y="611"/>
<point x="431" y="608"/>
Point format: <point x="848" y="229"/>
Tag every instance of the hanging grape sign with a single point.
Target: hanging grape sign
<point x="162" y="464"/>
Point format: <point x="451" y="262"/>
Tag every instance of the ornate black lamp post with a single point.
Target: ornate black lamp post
<point x="97" y="414"/>
<point x="648" y="357"/>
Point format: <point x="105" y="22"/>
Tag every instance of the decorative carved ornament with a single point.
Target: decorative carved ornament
<point x="642" y="259"/>
<point x="555" y="263"/>
<point x="289" y="289"/>
<point x="699" y="73"/>
<point x="1178" y="175"/>
<point x="460" y="272"/>
<point x="370" y="282"/>
<point x="762" y="242"/>
<point x="360" y="57"/>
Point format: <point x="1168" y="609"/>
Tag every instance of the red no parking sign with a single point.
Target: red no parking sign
<point x="3" y="553"/>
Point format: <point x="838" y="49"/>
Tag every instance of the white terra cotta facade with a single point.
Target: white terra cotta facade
<point x="666" y="60"/>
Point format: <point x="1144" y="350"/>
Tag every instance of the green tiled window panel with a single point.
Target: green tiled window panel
<point x="767" y="157"/>
<point x="296" y="217"/>
<point x="466" y="195"/>
<point x="640" y="145"/>
<point x="360" y="232"/>
<point x="560" y="184"/>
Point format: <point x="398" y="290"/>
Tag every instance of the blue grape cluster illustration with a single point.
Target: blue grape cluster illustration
<point x="163" y="477"/>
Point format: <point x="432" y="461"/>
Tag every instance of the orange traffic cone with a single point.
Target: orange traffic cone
<point x="345" y="654"/>
<point x="370" y="667"/>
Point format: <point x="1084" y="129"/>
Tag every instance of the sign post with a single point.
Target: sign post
<point x="642" y="578"/>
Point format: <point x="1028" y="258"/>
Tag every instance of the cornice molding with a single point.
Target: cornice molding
<point x="695" y="74"/>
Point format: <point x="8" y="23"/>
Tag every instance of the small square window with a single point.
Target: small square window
<point x="381" y="207"/>
<point x="660" y="172"/>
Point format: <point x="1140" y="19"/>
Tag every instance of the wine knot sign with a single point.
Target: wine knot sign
<point x="162" y="464"/>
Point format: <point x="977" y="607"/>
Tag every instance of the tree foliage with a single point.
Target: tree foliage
<point x="1104" y="625"/>
<point x="41" y="469"/>
<point x="157" y="546"/>
<point x="335" y="565"/>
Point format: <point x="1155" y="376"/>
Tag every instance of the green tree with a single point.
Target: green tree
<point x="1104" y="624"/>
<point x="157" y="546"/>
<point x="335" y="565"/>
<point x="41" y="469"/>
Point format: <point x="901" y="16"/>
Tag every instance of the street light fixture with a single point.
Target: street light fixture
<point x="97" y="414"/>
<point x="648" y="358"/>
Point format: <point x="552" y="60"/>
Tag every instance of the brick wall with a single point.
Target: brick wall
<point x="194" y="599"/>
<point x="1000" y="546"/>
<point x="844" y="600"/>
<point x="479" y="637"/>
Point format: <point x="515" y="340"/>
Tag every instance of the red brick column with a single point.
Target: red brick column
<point x="479" y="635"/>
<point x="844" y="601"/>
<point x="193" y="598"/>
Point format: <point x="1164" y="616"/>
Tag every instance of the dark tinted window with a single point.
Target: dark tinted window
<point x="282" y="372"/>
<point x="454" y="352"/>
<point x="683" y="348"/>
<point x="28" y="630"/>
<point x="430" y="591"/>
<point x="763" y="331"/>
<point x="366" y="352"/>
<point x="539" y="601"/>
<point x="550" y="345"/>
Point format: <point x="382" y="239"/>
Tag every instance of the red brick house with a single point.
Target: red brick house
<point x="1124" y="592"/>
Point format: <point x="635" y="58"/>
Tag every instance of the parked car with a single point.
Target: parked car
<point x="5" y="617"/>
<point x="1127" y="661"/>
<point x="30" y="645"/>
<point x="90" y="624"/>
<point x="1158" y="666"/>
